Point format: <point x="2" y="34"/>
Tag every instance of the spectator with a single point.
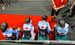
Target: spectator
<point x="28" y="30"/>
<point x="61" y="30"/>
<point x="6" y="32"/>
<point x="73" y="10"/>
<point x="15" y="34"/>
<point x="44" y="29"/>
<point x="57" y="6"/>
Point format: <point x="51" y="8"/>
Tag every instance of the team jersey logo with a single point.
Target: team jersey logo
<point x="27" y="28"/>
<point x="7" y="35"/>
<point x="43" y="27"/>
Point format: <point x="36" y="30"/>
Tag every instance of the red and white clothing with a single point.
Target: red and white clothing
<point x="29" y="27"/>
<point x="59" y="3"/>
<point x="57" y="6"/>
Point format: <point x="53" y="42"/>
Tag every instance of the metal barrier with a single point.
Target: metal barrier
<point x="43" y="42"/>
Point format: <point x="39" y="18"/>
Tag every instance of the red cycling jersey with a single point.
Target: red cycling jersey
<point x="59" y="3"/>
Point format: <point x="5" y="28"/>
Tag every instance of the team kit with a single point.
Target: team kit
<point x="61" y="28"/>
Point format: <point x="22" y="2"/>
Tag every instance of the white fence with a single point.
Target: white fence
<point x="39" y="41"/>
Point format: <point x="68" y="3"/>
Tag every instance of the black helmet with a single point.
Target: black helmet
<point x="28" y="20"/>
<point x="4" y="26"/>
<point x="61" y="22"/>
<point x="44" y="17"/>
